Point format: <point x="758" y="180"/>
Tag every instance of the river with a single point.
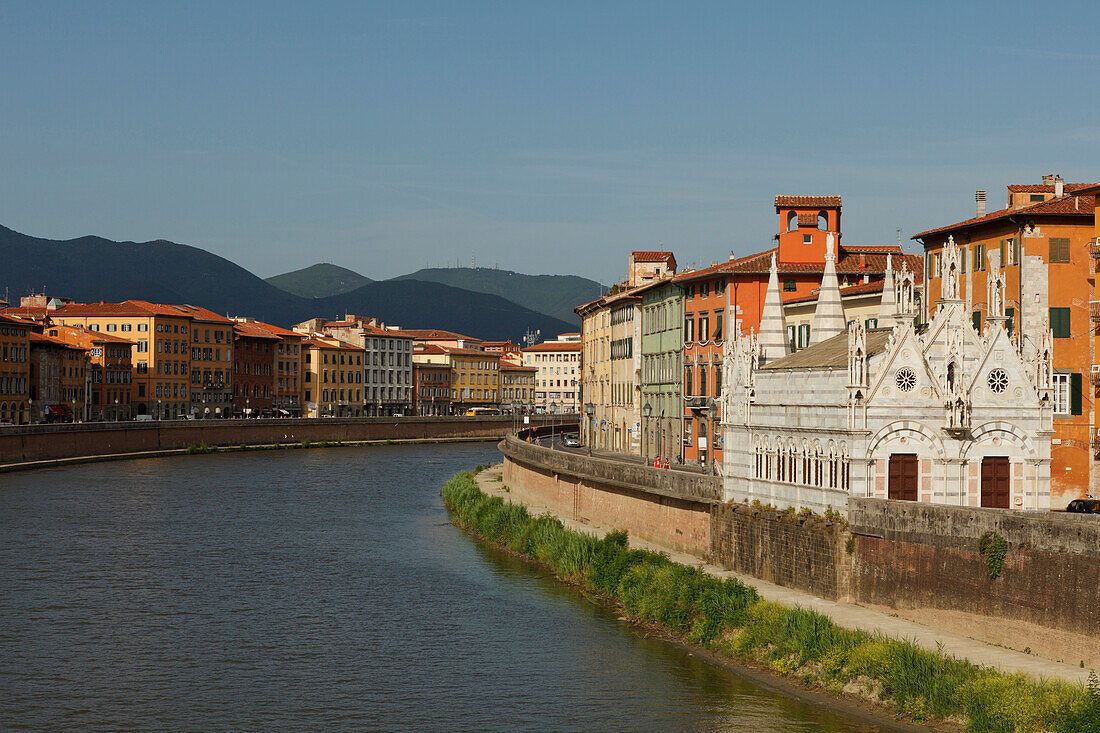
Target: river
<point x="318" y="590"/>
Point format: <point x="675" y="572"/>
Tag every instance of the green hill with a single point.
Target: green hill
<point x="555" y="295"/>
<point x="92" y="269"/>
<point x="319" y="281"/>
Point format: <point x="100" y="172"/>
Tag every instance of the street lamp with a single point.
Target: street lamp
<point x="553" y="421"/>
<point x="590" y="411"/>
<point x="647" y="410"/>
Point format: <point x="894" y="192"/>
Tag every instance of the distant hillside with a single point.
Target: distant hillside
<point x="555" y="295"/>
<point x="319" y="281"/>
<point x="92" y="269"/>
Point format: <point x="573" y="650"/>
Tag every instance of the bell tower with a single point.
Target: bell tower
<point x="805" y="222"/>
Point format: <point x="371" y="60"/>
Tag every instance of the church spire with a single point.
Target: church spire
<point x="829" y="315"/>
<point x="888" y="306"/>
<point x="773" y="326"/>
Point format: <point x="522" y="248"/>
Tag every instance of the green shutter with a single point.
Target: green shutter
<point x="976" y="316"/>
<point x="1011" y="313"/>
<point x="1075" y="393"/>
<point x="1059" y="322"/>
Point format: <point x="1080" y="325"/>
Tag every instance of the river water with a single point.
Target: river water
<point x="317" y="590"/>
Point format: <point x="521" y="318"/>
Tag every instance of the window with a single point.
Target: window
<point x="976" y="317"/>
<point x="704" y="326"/>
<point x="962" y="259"/>
<point x="1011" y="314"/>
<point x="1059" y="322"/>
<point x="1059" y="250"/>
<point x="789" y="286"/>
<point x="689" y="328"/>
<point x="1036" y="198"/>
<point x="979" y="257"/>
<point x="803" y="335"/>
<point x="792" y="344"/>
<point x="704" y="289"/>
<point x="807" y="239"/>
<point x="702" y="379"/>
<point x="1061" y="392"/>
<point x="688" y="391"/>
<point x="871" y="323"/>
<point x="718" y="325"/>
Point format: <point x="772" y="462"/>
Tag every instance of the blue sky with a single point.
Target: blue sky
<point x="539" y="137"/>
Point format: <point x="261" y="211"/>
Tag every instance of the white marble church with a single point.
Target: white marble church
<point x="934" y="412"/>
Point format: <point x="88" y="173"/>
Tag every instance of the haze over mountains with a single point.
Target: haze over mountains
<point x="554" y="295"/>
<point x="93" y="269"/>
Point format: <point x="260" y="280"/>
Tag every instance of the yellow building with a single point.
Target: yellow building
<point x="211" y="363"/>
<point x="517" y="387"/>
<point x="14" y="366"/>
<point x="161" y="355"/>
<point x="332" y="377"/>
<point x="611" y="370"/>
<point x="475" y="379"/>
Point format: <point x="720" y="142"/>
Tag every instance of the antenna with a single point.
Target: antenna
<point x="899" y="237"/>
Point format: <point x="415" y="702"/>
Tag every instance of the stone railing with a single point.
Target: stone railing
<point x="683" y="485"/>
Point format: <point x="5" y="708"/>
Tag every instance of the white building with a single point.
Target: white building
<point x="933" y="413"/>
<point x="557" y="381"/>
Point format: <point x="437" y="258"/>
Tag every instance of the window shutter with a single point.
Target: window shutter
<point x="976" y="316"/>
<point x="790" y="338"/>
<point x="1075" y="393"/>
<point x="1059" y="250"/>
<point x="1011" y="313"/>
<point x="1059" y="322"/>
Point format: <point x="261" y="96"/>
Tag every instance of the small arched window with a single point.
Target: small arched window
<point x="792" y="221"/>
<point x="823" y="220"/>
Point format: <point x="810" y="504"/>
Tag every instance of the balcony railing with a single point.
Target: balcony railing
<point x="1094" y="310"/>
<point x="1095" y="375"/>
<point x="1094" y="247"/>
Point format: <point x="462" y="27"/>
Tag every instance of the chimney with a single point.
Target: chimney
<point x="1048" y="179"/>
<point x="1059" y="187"/>
<point x="979" y="203"/>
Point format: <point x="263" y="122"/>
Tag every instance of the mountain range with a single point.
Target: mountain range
<point x="554" y="295"/>
<point x="92" y="269"/>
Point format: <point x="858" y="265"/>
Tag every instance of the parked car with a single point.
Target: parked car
<point x="1084" y="506"/>
<point x="570" y="441"/>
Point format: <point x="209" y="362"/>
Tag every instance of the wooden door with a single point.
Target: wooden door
<point x="904" y="476"/>
<point x="996" y="481"/>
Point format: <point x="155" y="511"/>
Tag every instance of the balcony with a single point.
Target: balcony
<point x="1094" y="310"/>
<point x="1095" y="375"/>
<point x="1094" y="248"/>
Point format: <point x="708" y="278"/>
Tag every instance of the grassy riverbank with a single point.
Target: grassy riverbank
<point x="727" y="617"/>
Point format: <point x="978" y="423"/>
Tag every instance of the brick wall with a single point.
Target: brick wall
<point x="809" y="555"/>
<point x="910" y="555"/>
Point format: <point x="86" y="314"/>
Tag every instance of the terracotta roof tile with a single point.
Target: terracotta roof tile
<point x="815" y="201"/>
<point x="851" y="290"/>
<point x="1046" y="187"/>
<point x="650" y="256"/>
<point x="251" y="330"/>
<point x="1068" y="205"/>
<point x="432" y="333"/>
<point x="550" y="346"/>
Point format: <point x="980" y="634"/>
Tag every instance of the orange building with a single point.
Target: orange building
<point x="57" y="374"/>
<point x="14" y="368"/>
<point x="1040" y="244"/>
<point x="110" y="370"/>
<point x="738" y="287"/>
<point x="162" y="357"/>
<point x="211" y="363"/>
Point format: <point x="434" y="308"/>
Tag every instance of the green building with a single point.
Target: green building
<point x="662" y="370"/>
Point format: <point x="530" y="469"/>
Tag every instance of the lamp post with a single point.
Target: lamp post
<point x="647" y="410"/>
<point x="553" y="421"/>
<point x="116" y="410"/>
<point x="589" y="411"/>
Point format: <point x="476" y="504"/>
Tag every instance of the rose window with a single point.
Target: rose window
<point x="906" y="379"/>
<point x="998" y="380"/>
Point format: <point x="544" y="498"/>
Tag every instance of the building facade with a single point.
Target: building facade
<point x="212" y="340"/>
<point x="517" y="386"/>
<point x="475" y="379"/>
<point x="57" y="372"/>
<point x="1040" y="245"/>
<point x="162" y="353"/>
<point x="938" y="413"/>
<point x="431" y="387"/>
<point x="14" y="367"/>
<point x="254" y="370"/>
<point x="557" y="377"/>
<point x="332" y="375"/>
<point x="611" y="371"/>
<point x="110" y="370"/>
<point x="662" y="371"/>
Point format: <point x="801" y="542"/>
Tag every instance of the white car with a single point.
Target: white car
<point x="570" y="441"/>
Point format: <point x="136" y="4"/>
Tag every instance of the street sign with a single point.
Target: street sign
<point x="526" y="419"/>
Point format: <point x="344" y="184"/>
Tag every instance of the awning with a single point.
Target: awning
<point x="59" y="410"/>
<point x="285" y="412"/>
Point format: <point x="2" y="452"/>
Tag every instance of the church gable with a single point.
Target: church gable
<point x="1001" y="378"/>
<point x="902" y="376"/>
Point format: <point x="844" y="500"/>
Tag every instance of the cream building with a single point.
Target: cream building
<point x="611" y="356"/>
<point x="557" y="379"/>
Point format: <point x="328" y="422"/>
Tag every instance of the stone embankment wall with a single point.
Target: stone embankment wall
<point x="671" y="508"/>
<point x="43" y="442"/>
<point x="913" y="555"/>
<point x="903" y="555"/>
<point x="809" y="554"/>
